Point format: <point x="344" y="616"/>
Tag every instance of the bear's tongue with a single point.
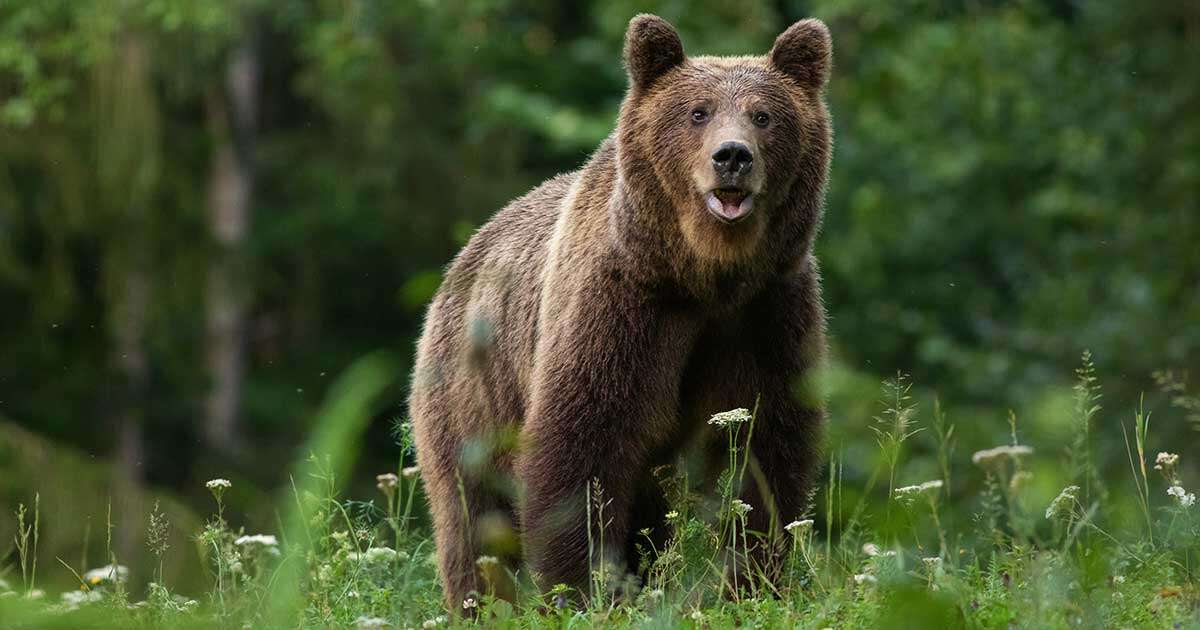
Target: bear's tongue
<point x="730" y="204"/>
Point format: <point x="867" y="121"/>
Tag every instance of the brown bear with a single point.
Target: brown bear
<point x="586" y="333"/>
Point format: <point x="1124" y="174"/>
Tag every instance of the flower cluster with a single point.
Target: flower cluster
<point x="386" y="482"/>
<point x="1165" y="460"/>
<point x="1063" y="505"/>
<point x="799" y="529"/>
<point x="1166" y="464"/>
<point x="377" y="555"/>
<point x="727" y="419"/>
<point x="909" y="494"/>
<point x="72" y="600"/>
<point x="740" y="508"/>
<point x="1000" y="454"/>
<point x="873" y="550"/>
<point x="865" y="578"/>
<point x="1181" y="496"/>
<point x="265" y="540"/>
<point x="107" y="574"/>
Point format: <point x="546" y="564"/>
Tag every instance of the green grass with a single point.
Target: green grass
<point x="896" y="556"/>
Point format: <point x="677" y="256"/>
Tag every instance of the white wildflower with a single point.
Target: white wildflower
<point x="381" y="554"/>
<point x="933" y="564"/>
<point x="864" y="578"/>
<point x="433" y="623"/>
<point x="266" y="540"/>
<point x="871" y="549"/>
<point x="410" y="472"/>
<point x="1181" y="496"/>
<point x="386" y="482"/>
<point x="729" y="418"/>
<point x="799" y="528"/>
<point x="655" y="594"/>
<point x="470" y="603"/>
<point x="258" y="543"/>
<point x="214" y="484"/>
<point x="697" y="615"/>
<point x="672" y="515"/>
<point x="999" y="454"/>
<point x="487" y="561"/>
<point x="72" y="600"/>
<point x="1165" y="460"/>
<point x="740" y="508"/>
<point x="1063" y="505"/>
<point x="1118" y="579"/>
<point x="909" y="494"/>
<point x="364" y="623"/>
<point x="106" y="574"/>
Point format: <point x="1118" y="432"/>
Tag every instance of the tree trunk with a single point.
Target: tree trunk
<point x="127" y="169"/>
<point x="232" y="113"/>
<point x="133" y="368"/>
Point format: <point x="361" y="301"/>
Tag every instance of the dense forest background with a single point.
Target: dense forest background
<point x="208" y="210"/>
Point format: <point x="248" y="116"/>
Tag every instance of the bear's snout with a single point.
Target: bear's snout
<point x="732" y="161"/>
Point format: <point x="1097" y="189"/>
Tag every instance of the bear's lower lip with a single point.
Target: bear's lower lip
<point x="729" y="205"/>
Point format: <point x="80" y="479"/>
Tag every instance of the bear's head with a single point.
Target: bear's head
<point x="737" y="147"/>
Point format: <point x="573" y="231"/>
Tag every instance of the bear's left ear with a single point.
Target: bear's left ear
<point x="651" y="48"/>
<point x="804" y="52"/>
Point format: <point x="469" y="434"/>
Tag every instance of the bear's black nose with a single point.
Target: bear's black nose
<point x="733" y="159"/>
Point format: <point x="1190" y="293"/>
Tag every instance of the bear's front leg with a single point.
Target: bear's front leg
<point x="605" y="393"/>
<point x="786" y="335"/>
<point x="772" y="353"/>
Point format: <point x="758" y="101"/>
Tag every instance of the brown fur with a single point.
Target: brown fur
<point x="588" y="330"/>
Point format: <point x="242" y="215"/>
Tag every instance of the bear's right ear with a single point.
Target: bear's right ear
<point x="651" y="48"/>
<point x="804" y="52"/>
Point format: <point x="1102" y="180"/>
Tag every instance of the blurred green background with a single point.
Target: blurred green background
<point x="208" y="210"/>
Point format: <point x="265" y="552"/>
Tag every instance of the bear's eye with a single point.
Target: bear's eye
<point x="699" y="115"/>
<point x="761" y="119"/>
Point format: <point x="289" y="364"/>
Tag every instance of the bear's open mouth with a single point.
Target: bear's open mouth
<point x="729" y="204"/>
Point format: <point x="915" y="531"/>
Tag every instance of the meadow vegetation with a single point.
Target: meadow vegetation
<point x="888" y="558"/>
